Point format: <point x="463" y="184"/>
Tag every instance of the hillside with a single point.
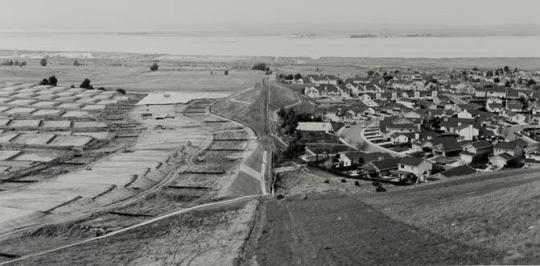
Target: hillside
<point x="481" y="219"/>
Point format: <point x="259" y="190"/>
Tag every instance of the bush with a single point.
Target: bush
<point x="52" y="80"/>
<point x="380" y="188"/>
<point x="43" y="62"/>
<point x="76" y="63"/>
<point x="86" y="85"/>
<point x="226" y="72"/>
<point x="356" y="183"/>
<point x="154" y="67"/>
<point x="343" y="180"/>
<point x="21" y="64"/>
<point x="121" y="91"/>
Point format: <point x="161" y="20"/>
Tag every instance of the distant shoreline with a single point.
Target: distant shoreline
<point x="531" y="63"/>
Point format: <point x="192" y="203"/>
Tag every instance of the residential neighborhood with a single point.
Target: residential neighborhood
<point x="409" y="127"/>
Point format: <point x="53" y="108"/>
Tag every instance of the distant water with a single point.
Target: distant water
<point x="428" y="47"/>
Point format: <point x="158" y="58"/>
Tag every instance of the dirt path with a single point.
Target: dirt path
<point x="341" y="230"/>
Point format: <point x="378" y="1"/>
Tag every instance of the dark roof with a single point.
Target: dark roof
<point x="411" y="161"/>
<point x="458" y="171"/>
<point x="482" y="144"/>
<point x="510" y="145"/>
<point x="386" y="164"/>
<point x="506" y="156"/>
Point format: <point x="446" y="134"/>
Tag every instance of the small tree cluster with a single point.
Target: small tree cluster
<point x="295" y="148"/>
<point x="13" y="63"/>
<point x="52" y="80"/>
<point x="86" y="85"/>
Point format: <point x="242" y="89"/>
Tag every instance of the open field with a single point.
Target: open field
<point x="333" y="229"/>
<point x="496" y="211"/>
<point x="131" y="72"/>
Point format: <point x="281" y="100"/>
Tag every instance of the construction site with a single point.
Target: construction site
<point x="79" y="164"/>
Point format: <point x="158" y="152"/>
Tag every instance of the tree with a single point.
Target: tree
<point x="44" y="82"/>
<point x="86" y="85"/>
<point x="43" y="62"/>
<point x="297" y="76"/>
<point x="295" y="148"/>
<point x="531" y="82"/>
<point x="370" y="73"/>
<point x="23" y="63"/>
<point x="76" y="63"/>
<point x="154" y="67"/>
<point x="226" y="72"/>
<point x="121" y="91"/>
<point x="506" y="69"/>
<point x="496" y="80"/>
<point x="53" y="81"/>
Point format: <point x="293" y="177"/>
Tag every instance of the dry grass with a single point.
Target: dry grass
<point x="498" y="212"/>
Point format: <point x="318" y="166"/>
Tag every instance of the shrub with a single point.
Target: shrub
<point x="76" y="63"/>
<point x="226" y="72"/>
<point x="121" y="91"/>
<point x="356" y="183"/>
<point x="154" y="67"/>
<point x="43" y="62"/>
<point x="86" y="85"/>
<point x="52" y="80"/>
<point x="380" y="188"/>
<point x="343" y="181"/>
<point x="23" y="63"/>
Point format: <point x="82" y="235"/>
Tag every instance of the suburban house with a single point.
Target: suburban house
<point x="315" y="126"/>
<point x="491" y="91"/>
<point x="514" y="148"/>
<point x="324" y="90"/>
<point x="531" y="163"/>
<point x="500" y="160"/>
<point x="467" y="132"/>
<point x="412" y="166"/>
<point x="382" y="167"/>
<point x="348" y="159"/>
<point x="323" y="79"/>
<point x="479" y="147"/>
<point x="456" y="171"/>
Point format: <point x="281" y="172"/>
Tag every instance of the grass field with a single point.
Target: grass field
<point x="134" y="75"/>
<point x="333" y="229"/>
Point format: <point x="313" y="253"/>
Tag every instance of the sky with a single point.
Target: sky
<point x="151" y="14"/>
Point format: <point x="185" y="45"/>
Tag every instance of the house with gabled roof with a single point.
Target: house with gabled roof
<point x="515" y="148"/>
<point x="416" y="167"/>
<point x="382" y="167"/>
<point x="455" y="172"/>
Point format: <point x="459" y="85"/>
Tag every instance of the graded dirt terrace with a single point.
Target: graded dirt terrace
<point x="173" y="165"/>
